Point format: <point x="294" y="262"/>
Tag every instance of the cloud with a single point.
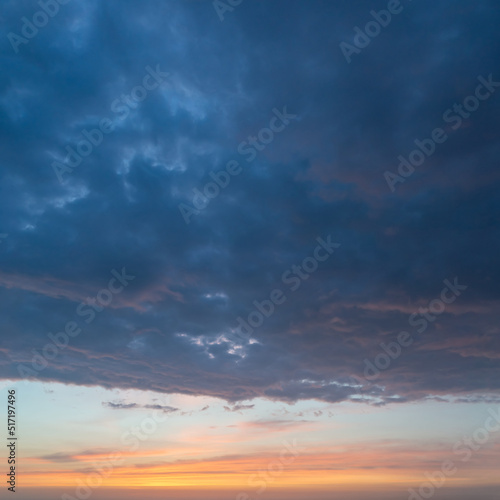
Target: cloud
<point x="58" y="457"/>
<point x="238" y="407"/>
<point x="128" y="406"/>
<point x="172" y="329"/>
<point x="120" y="406"/>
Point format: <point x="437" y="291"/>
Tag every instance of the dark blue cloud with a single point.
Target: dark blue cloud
<point x="172" y="329"/>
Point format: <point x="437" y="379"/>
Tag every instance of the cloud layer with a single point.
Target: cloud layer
<point x="173" y="328"/>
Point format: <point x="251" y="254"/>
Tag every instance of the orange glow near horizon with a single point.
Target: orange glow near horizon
<point x="252" y="472"/>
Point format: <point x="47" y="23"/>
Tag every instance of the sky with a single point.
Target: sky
<point x="248" y="248"/>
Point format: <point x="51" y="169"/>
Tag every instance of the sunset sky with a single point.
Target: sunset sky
<point x="249" y="249"/>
